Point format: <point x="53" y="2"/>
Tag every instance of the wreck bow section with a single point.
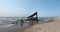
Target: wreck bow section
<point x="33" y="18"/>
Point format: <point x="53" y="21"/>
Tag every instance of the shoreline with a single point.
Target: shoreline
<point x="51" y="26"/>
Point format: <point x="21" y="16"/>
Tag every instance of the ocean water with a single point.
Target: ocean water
<point x="8" y="21"/>
<point x="7" y="26"/>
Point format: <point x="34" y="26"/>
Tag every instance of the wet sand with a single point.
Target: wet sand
<point x="23" y="29"/>
<point x="13" y="28"/>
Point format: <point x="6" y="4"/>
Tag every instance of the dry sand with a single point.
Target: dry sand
<point x="53" y="26"/>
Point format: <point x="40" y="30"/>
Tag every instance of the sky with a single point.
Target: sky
<point x="24" y="8"/>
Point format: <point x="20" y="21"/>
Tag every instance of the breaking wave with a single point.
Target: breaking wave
<point x="7" y="25"/>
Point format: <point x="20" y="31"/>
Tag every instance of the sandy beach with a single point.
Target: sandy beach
<point x="52" y="26"/>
